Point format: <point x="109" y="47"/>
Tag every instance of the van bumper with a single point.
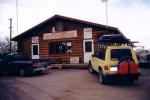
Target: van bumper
<point x="125" y="77"/>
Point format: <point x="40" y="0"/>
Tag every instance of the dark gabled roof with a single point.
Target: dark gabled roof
<point x="66" y="18"/>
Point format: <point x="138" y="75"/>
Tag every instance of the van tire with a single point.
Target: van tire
<point x="102" y="78"/>
<point x="90" y="68"/>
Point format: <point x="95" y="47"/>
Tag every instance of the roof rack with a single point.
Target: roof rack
<point x="113" y="40"/>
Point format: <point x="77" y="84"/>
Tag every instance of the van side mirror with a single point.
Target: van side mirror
<point x="93" y="55"/>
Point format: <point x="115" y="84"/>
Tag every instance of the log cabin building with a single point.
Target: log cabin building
<point x="62" y="39"/>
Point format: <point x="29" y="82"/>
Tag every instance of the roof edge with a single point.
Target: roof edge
<point x="67" y="18"/>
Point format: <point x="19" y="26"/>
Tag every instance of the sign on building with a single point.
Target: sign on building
<point x="35" y="39"/>
<point x="74" y="60"/>
<point x="87" y="33"/>
<point x="60" y="35"/>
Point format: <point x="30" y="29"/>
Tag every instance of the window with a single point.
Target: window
<point x="69" y="47"/>
<point x="35" y="50"/>
<point x="60" y="47"/>
<point x="119" y="53"/>
<point x="18" y="57"/>
<point x="101" y="54"/>
<point x="88" y="46"/>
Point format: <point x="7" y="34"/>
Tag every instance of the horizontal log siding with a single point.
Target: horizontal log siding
<point x="77" y="49"/>
<point x="24" y="46"/>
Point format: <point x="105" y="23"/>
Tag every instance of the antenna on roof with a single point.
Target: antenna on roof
<point x="106" y="1"/>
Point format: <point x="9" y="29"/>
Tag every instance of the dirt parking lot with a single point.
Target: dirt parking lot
<point x="72" y="84"/>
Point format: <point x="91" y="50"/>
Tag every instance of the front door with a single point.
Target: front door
<point x="88" y="49"/>
<point x="35" y="51"/>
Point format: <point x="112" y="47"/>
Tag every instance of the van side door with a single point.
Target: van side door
<point x="99" y="59"/>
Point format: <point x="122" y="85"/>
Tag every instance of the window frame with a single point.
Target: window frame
<point x="58" y="48"/>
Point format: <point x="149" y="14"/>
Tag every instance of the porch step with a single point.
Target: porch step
<point x="57" y="66"/>
<point x="75" y="66"/>
<point x="69" y="66"/>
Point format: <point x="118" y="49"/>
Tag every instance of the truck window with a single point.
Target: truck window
<point x="119" y="53"/>
<point x="17" y="57"/>
<point x="7" y="58"/>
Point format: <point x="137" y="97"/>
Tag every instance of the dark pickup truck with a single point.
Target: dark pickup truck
<point x="18" y="63"/>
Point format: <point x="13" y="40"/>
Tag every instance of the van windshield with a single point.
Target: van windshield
<point x="120" y="53"/>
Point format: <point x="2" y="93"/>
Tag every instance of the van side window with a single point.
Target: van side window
<point x="101" y="54"/>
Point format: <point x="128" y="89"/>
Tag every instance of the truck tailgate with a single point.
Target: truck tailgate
<point x="22" y="62"/>
<point x="42" y="64"/>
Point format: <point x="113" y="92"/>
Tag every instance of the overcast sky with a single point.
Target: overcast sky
<point x="132" y="17"/>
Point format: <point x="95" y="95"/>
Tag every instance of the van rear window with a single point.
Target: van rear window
<point x="120" y="53"/>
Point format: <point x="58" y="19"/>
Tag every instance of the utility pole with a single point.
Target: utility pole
<point x="10" y="33"/>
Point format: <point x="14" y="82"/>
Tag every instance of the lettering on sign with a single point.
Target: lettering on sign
<point x="60" y="35"/>
<point x="87" y="33"/>
<point x="35" y="39"/>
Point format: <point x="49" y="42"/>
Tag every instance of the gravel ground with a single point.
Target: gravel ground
<point x="72" y="84"/>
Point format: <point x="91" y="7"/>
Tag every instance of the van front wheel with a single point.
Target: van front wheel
<point x="102" y="79"/>
<point x="90" y="68"/>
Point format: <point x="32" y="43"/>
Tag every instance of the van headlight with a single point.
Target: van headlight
<point x="113" y="68"/>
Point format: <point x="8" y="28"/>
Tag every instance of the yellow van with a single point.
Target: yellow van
<point x="115" y="62"/>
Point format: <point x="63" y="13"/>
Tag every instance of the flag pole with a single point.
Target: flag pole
<point x="106" y="11"/>
<point x="17" y="14"/>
